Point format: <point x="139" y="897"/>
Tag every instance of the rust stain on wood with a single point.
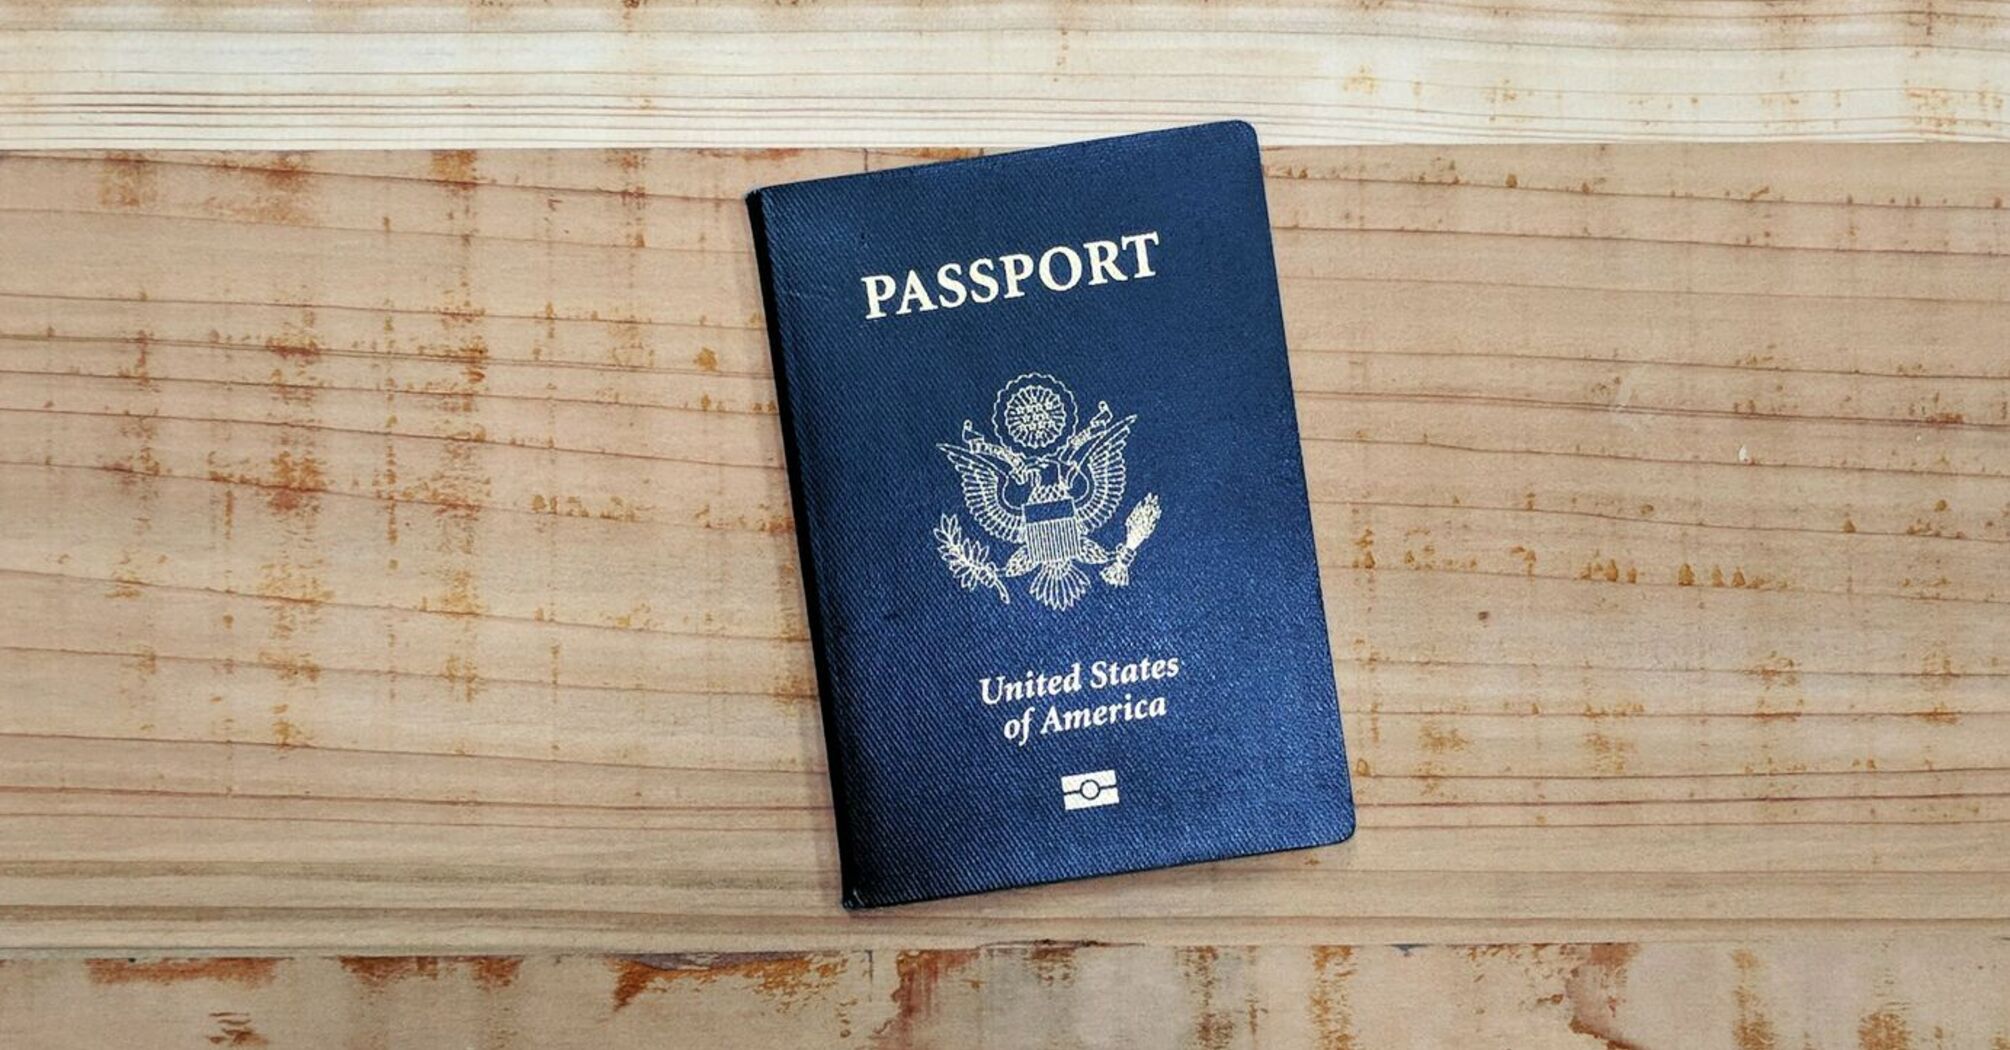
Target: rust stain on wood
<point x="494" y="971"/>
<point x="275" y="191"/>
<point x="1438" y="739"/>
<point x="1596" y="991"/>
<point x="918" y="975"/>
<point x="782" y="977"/>
<point x="455" y="167"/>
<point x="285" y="734"/>
<point x="377" y="972"/>
<point x="296" y="347"/>
<point x="1884" y="1029"/>
<point x="235" y="1029"/>
<point x="128" y="181"/>
<point x="248" y="972"/>
<point x="1053" y="962"/>
<point x="1214" y="1021"/>
<point x="1332" y="1006"/>
<point x="1611" y="754"/>
<point x="380" y="971"/>
<point x="295" y="482"/>
<point x="1753" y="1030"/>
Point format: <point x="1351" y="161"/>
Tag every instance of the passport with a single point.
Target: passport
<point x="1057" y="554"/>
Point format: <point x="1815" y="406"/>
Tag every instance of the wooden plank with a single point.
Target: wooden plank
<point x="1876" y="995"/>
<point x="507" y="73"/>
<point x="397" y="556"/>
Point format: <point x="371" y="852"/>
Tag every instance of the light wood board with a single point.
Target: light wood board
<point x="397" y="557"/>
<point x="1908" y="994"/>
<point x="494" y="73"/>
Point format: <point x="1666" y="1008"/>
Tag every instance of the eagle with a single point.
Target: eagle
<point x="1047" y="505"/>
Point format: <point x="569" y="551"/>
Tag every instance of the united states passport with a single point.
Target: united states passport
<point x="1057" y="555"/>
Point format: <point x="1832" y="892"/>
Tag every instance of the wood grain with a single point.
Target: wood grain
<point x="1877" y="995"/>
<point x="510" y="73"/>
<point x="397" y="557"/>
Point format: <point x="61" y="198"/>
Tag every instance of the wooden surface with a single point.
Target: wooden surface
<point x="1908" y="994"/>
<point x="396" y="559"/>
<point x="490" y="73"/>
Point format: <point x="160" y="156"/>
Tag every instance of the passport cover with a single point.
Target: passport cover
<point x="1056" y="548"/>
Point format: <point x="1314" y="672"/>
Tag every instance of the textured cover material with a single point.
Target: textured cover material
<point x="1057" y="553"/>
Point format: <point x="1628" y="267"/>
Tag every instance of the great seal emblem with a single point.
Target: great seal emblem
<point x="1043" y="485"/>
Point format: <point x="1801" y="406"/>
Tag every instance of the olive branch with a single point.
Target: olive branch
<point x="968" y="560"/>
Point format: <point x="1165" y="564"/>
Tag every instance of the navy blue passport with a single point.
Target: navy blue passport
<point x="1057" y="554"/>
